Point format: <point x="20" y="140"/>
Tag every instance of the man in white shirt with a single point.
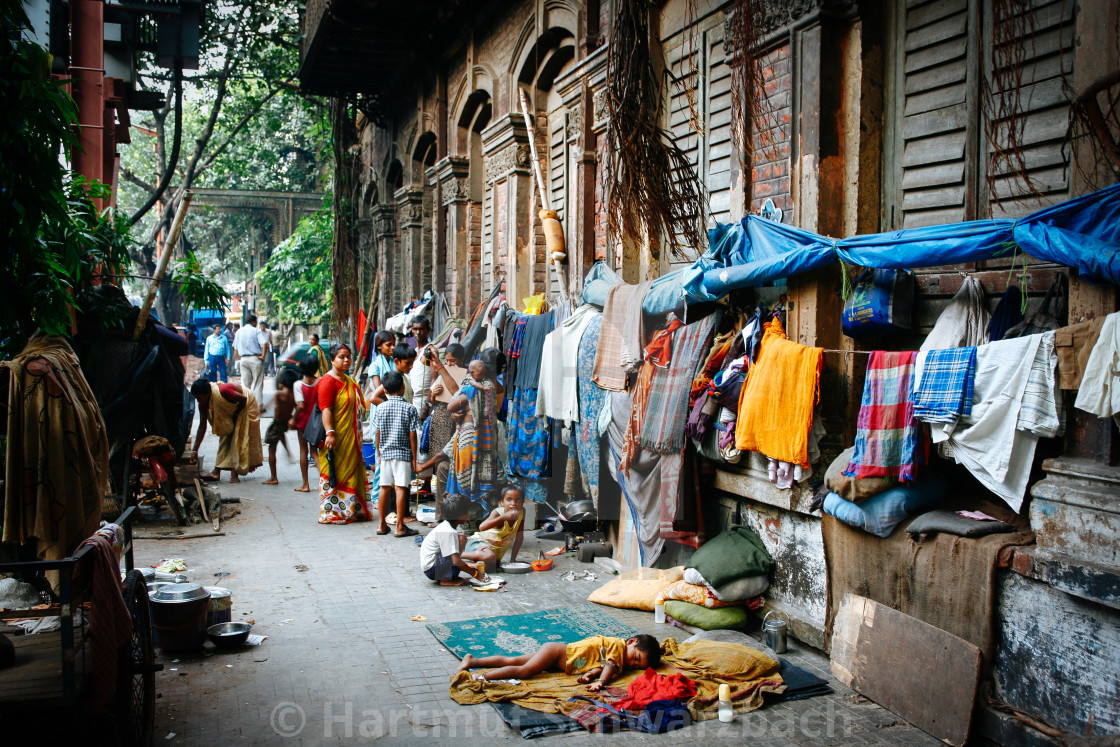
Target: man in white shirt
<point x="421" y="374"/>
<point x="249" y="352"/>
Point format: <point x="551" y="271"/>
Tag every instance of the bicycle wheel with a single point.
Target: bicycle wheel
<point x="136" y="668"/>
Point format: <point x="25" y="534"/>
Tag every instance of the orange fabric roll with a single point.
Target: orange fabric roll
<point x="776" y="404"/>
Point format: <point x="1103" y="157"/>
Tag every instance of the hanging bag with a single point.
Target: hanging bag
<point x="882" y="301"/>
<point x="1049" y="315"/>
<point x="314" y="432"/>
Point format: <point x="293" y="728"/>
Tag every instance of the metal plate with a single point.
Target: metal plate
<point x="516" y="568"/>
<point x="180" y="593"/>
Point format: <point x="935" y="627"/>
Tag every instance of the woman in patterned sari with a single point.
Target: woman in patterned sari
<point x="342" y="472"/>
<point x="478" y="449"/>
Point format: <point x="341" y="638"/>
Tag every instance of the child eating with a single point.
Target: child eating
<point x="597" y="656"/>
<point x="443" y="554"/>
<point x="502" y="529"/>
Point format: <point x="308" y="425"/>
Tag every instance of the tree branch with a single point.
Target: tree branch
<point x="237" y="129"/>
<point x="128" y="176"/>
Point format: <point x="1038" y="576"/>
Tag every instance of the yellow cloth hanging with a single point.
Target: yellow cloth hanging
<point x="534" y="304"/>
<point x="776" y="404"/>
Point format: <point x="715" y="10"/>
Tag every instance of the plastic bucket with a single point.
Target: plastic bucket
<point x="369" y="454"/>
<point x="221" y="606"/>
<point x="180" y="626"/>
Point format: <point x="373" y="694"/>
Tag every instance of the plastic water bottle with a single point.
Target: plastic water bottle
<point x="659" y="613"/>
<point x="726" y="712"/>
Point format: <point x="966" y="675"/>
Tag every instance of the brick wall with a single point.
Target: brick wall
<point x="600" y="196"/>
<point x="772" y="133"/>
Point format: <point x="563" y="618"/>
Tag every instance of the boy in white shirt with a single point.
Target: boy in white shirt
<point x="441" y="554"/>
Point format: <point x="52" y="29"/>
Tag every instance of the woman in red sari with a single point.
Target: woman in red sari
<point x="340" y="458"/>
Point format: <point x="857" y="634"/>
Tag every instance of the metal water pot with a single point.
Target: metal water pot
<point x="775" y="632"/>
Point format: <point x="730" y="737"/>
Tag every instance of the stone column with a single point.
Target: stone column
<point x="454" y="187"/>
<point x="385" y="234"/>
<point x="505" y="150"/>
<point x="410" y="209"/>
<point x="436" y="231"/>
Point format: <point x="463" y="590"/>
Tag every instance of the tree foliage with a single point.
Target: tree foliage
<point x="245" y="126"/>
<point x="56" y="239"/>
<point x="298" y="274"/>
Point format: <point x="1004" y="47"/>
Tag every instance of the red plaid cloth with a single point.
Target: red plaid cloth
<point x="890" y="442"/>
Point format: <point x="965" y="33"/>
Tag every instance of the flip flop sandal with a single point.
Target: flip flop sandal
<point x="408" y="532"/>
<point x="383" y="532"/>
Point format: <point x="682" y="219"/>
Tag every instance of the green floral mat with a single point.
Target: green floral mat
<point x="513" y="635"/>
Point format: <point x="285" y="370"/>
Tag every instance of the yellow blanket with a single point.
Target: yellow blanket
<point x="710" y="664"/>
<point x="58" y="454"/>
<point x="776" y="405"/>
<point x="239" y="434"/>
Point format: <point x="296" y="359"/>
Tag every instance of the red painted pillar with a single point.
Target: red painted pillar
<point x="87" y="68"/>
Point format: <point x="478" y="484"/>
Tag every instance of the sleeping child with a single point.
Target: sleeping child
<point x="597" y="656"/>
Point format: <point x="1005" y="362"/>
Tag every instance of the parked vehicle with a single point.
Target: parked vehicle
<point x="297" y="351"/>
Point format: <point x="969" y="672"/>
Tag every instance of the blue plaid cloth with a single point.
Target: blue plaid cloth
<point x="945" y="391"/>
<point x="395" y="419"/>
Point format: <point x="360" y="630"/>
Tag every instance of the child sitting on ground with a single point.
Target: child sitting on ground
<point x="443" y="553"/>
<point x="282" y="406"/>
<point x="502" y="530"/>
<point x="597" y="656"/>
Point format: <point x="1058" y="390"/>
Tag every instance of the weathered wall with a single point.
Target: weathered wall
<point x="1058" y="656"/>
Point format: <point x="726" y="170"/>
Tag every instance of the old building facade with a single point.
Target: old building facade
<point x="876" y="116"/>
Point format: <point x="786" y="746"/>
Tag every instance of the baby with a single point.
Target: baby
<point x="597" y="656"/>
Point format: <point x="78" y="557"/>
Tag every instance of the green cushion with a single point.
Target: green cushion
<point x="723" y="618"/>
<point x="731" y="555"/>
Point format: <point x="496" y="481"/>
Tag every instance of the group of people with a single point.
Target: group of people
<point x="251" y="348"/>
<point x="420" y="418"/>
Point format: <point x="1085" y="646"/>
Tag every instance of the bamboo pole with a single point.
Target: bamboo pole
<point x="169" y="246"/>
<point x="550" y="223"/>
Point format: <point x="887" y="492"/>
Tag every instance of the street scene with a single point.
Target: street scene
<point x="740" y="371"/>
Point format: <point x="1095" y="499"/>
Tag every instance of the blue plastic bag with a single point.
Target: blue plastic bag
<point x="882" y="301"/>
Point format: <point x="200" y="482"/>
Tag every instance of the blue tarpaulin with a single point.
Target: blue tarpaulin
<point x="1083" y="233"/>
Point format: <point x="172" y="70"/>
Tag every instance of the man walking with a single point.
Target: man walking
<point x="217" y="351"/>
<point x="264" y="334"/>
<point x="250" y="354"/>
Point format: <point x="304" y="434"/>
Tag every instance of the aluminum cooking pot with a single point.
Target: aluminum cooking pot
<point x="578" y="511"/>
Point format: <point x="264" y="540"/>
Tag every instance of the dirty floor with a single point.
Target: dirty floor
<point x="345" y="663"/>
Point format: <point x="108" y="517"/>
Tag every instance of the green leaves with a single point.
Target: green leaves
<point x="298" y="275"/>
<point x="196" y="288"/>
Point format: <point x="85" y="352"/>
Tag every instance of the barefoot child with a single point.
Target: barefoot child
<point x="304" y="391"/>
<point x="282" y="406"/>
<point x="597" y="656"/>
<point x="394" y="432"/>
<point x="502" y="530"/>
<point x="443" y="554"/>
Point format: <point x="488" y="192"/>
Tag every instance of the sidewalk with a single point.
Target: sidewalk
<point x="344" y="663"/>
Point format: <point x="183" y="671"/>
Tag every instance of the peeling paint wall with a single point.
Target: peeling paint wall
<point x="794" y="540"/>
<point x="1058" y="656"/>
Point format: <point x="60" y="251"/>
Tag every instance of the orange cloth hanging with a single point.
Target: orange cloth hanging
<point x="776" y="404"/>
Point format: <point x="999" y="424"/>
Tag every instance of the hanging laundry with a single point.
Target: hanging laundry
<point x="585" y="443"/>
<point x="993" y="442"/>
<point x="557" y="395"/>
<point x="964" y="323"/>
<point x="529" y="362"/>
<point x="776" y="408"/>
<point x="890" y="442"/>
<point x="634" y="331"/>
<point x="530" y="437"/>
<point x="667" y="401"/>
<point x="1008" y="313"/>
<point x="609" y="373"/>
<point x="1074" y="345"/>
<point x="659" y="352"/>
<point x="943" y="384"/>
<point x="1099" y="393"/>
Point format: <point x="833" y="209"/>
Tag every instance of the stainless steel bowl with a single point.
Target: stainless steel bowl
<point x="229" y="635"/>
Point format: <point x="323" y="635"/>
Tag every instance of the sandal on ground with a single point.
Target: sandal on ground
<point x="383" y="532"/>
<point x="408" y="532"/>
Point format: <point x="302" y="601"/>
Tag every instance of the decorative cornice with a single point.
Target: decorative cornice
<point x="514" y="158"/>
<point x="453" y="175"/>
<point x="385" y="220"/>
<point x="410" y="206"/>
<point x="774" y="15"/>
